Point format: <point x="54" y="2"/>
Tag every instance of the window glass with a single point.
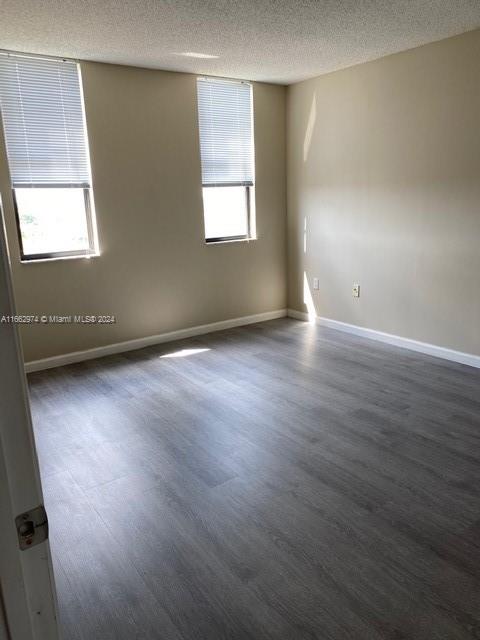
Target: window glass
<point x="52" y="220"/>
<point x="226" y="212"/>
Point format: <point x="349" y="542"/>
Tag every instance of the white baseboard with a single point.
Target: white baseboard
<point x="139" y="343"/>
<point x="398" y="341"/>
<point x="298" y="315"/>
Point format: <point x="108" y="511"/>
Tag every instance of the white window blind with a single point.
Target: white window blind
<point x="42" y="112"/>
<point x="226" y="132"/>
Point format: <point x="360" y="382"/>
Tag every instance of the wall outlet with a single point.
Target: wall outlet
<point x="356" y="290"/>
<point x="316" y="284"/>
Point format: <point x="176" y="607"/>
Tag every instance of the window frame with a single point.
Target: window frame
<point x="53" y="255"/>
<point x="248" y="186"/>
<point x="248" y="197"/>
<point x="93" y="248"/>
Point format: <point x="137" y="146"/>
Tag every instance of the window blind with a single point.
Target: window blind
<point x="225" y="124"/>
<point x="42" y="112"/>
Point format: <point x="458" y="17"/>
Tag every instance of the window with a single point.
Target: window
<point x="42" y="111"/>
<point x="226" y="148"/>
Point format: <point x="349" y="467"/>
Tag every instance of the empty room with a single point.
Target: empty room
<point x="239" y="320"/>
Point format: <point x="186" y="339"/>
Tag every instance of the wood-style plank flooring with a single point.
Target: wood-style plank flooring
<point x="277" y="481"/>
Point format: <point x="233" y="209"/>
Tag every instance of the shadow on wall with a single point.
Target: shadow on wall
<point x="307" y="294"/>
<point x="315" y="252"/>
<point x="305" y="235"/>
<point x="308" y="300"/>
<point x="307" y="141"/>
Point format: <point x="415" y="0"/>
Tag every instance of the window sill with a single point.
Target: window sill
<point x="59" y="258"/>
<point x="226" y="241"/>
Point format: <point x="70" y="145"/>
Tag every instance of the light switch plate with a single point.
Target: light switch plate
<point x="356" y="290"/>
<point x="316" y="284"/>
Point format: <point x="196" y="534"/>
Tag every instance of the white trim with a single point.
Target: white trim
<point x="139" y="343"/>
<point x="398" y="341"/>
<point x="28" y="589"/>
<point x="298" y="315"/>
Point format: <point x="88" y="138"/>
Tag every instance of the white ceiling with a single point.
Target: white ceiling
<point x="280" y="41"/>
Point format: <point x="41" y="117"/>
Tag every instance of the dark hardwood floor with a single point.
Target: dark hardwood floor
<point x="275" y="481"/>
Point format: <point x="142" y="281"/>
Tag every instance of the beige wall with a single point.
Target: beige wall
<point x="384" y="170"/>
<point x="155" y="272"/>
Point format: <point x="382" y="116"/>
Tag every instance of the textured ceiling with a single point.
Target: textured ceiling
<point x="280" y="41"/>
